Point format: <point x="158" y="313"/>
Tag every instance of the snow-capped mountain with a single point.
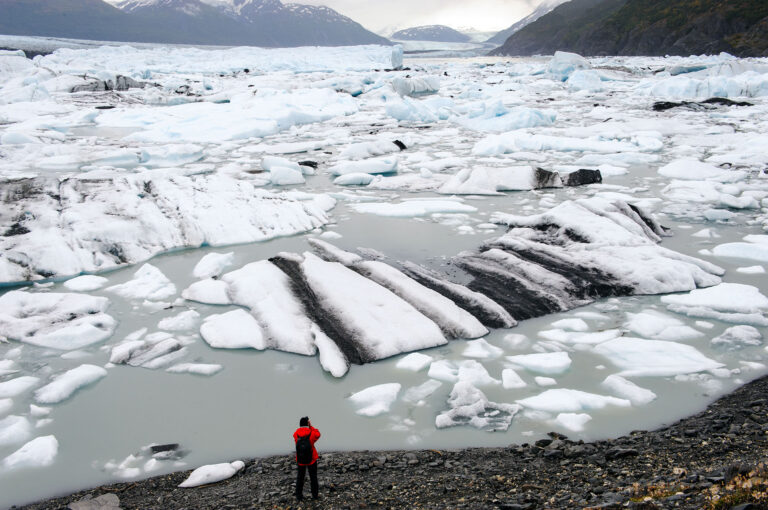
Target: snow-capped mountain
<point x="542" y="10"/>
<point x="438" y="33"/>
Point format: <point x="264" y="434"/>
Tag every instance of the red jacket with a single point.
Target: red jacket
<point x="314" y="435"/>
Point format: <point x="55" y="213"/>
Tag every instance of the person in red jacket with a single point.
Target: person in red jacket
<point x="306" y="430"/>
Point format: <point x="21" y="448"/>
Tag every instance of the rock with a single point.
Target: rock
<point x="103" y="502"/>
<point x="547" y="179"/>
<point x="543" y="443"/>
<point x="311" y="164"/>
<point x="400" y="145"/>
<point x="620" y="453"/>
<point x="582" y="177"/>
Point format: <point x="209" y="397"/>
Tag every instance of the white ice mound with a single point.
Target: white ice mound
<point x="417" y="394"/>
<point x="481" y="349"/>
<point x="624" y="388"/>
<point x="364" y="150"/>
<point x="182" y="322"/>
<point x="415" y="361"/>
<point x="470" y="406"/>
<point x="480" y="180"/>
<point x="658" y="326"/>
<point x="86" y="283"/>
<point x="208" y="291"/>
<point x="510" y="380"/>
<point x="413" y="208"/>
<point x="574" y="422"/>
<point x="375" y="400"/>
<point x="367" y="166"/>
<point x="128" y="219"/>
<point x="729" y="302"/>
<point x="40" y="452"/>
<point x="563" y="64"/>
<point x="331" y="357"/>
<point x="213" y="264"/>
<point x="419" y="86"/>
<point x="638" y="357"/>
<point x="233" y="330"/>
<point x="738" y="337"/>
<point x="212" y="473"/>
<point x="693" y="169"/>
<point x="563" y="400"/>
<point x="14" y="429"/>
<point x="155" y="351"/>
<point x="17" y="386"/>
<point x="549" y="363"/>
<point x="148" y="283"/>
<point x="522" y="141"/>
<point x="469" y="371"/>
<point x="756" y="248"/>
<point x="497" y="118"/>
<point x="66" y="384"/>
<point x="53" y="320"/>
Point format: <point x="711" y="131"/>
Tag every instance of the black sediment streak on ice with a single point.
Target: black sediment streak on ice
<point x="325" y="319"/>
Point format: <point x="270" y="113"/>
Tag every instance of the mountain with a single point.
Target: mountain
<point x="246" y="22"/>
<point x="438" y="33"/>
<point x="543" y="9"/>
<point x="646" y="27"/>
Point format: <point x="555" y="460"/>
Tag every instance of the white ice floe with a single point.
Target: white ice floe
<point x="550" y="363"/>
<point x="148" y="283"/>
<point x="208" y="291"/>
<point x="413" y="208"/>
<point x="375" y="400"/>
<point x="331" y="358"/>
<point x="575" y="422"/>
<point x="469" y="406"/>
<point x="417" y="394"/>
<point x="182" y="322"/>
<point x="511" y="380"/>
<point x="233" y="330"/>
<point x="65" y="385"/>
<point x="469" y="371"/>
<point x="751" y="270"/>
<point x="364" y="150"/>
<point x="544" y="381"/>
<point x="480" y="180"/>
<point x="17" y="386"/>
<point x="755" y="249"/>
<point x="354" y="179"/>
<point x="39" y="412"/>
<point x="624" y="388"/>
<point x="14" y="429"/>
<point x="212" y="264"/>
<point x="8" y="367"/>
<point x="419" y="86"/>
<point x="6" y="404"/>
<point x="658" y="326"/>
<point x="195" y="368"/>
<point x="570" y="401"/>
<point x="693" y="169"/>
<point x="738" y="337"/>
<point x="638" y="357"/>
<point x="481" y="349"/>
<point x="59" y="321"/>
<point x="367" y="166"/>
<point x="415" y="361"/>
<point x="564" y="64"/>
<point x="574" y="324"/>
<point x="497" y="118"/>
<point x="212" y="473"/>
<point x="156" y="350"/>
<point x="729" y="302"/>
<point x="40" y="452"/>
<point x="86" y="283"/>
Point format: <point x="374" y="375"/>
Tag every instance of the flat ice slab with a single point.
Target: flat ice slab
<point x="638" y="357"/>
<point x="66" y="384"/>
<point x="375" y="400"/>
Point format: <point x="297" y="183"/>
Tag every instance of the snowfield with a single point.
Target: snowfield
<point x="198" y="244"/>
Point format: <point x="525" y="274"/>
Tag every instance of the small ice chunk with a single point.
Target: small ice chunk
<point x="269" y="163"/>
<point x="573" y="421"/>
<point x="14" y="429"/>
<point x="233" y="330"/>
<point x="470" y="371"/>
<point x="638" y="357"/>
<point x="366" y="166"/>
<point x="281" y="176"/>
<point x="544" y="381"/>
<point x="751" y="270"/>
<point x="213" y="264"/>
<point x="469" y="406"/>
<point x="182" y="322"/>
<point x="571" y="325"/>
<point x="210" y="291"/>
<point x="354" y="179"/>
<point x="738" y="337"/>
<point x="375" y="400"/>
<point x="692" y="169"/>
<point x="40" y="452"/>
<point x="731" y="302"/>
<point x="212" y="473"/>
<point x="480" y="348"/>
<point x="63" y="386"/>
<point x="516" y="341"/>
<point x="331" y="358"/>
<point x="17" y="386"/>
<point x="549" y="363"/>
<point x="148" y="283"/>
<point x="8" y="367"/>
<point x="413" y="208"/>
<point x="570" y="401"/>
<point x="658" y="326"/>
<point x="511" y="380"/>
<point x="418" y="393"/>
<point x="86" y="283"/>
<point x="38" y="412"/>
<point x="627" y="389"/>
<point x="750" y="251"/>
<point x="195" y="368"/>
<point x="415" y="361"/>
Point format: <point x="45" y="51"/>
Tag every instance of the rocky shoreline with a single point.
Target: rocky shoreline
<point x="710" y="460"/>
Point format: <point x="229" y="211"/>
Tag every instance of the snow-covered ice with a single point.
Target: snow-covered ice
<point x="65" y="385"/>
<point x="638" y="357"/>
<point x="375" y="400"/>
<point x="213" y="264"/>
<point x="625" y="388"/>
<point x="551" y="363"/>
<point x="729" y="302"/>
<point x="39" y="452"/>
<point x="233" y="330"/>
<point x="415" y="361"/>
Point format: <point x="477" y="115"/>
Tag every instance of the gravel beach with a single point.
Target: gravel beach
<point x="704" y="461"/>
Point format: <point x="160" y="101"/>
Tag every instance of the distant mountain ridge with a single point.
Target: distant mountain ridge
<point x="437" y="33"/>
<point x="646" y="27"/>
<point x="543" y="9"/>
<point x="246" y="22"/>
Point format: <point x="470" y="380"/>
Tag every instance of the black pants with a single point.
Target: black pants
<point x="312" y="479"/>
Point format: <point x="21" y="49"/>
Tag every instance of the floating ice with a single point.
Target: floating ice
<point x="354" y="179"/>
<point x="58" y="321"/>
<point x="658" y="326"/>
<point x="148" y="283"/>
<point x="181" y="322"/>
<point x="331" y="357"/>
<point x="209" y="291"/>
<point x="544" y="381"/>
<point x="364" y="150"/>
<point x="86" y="283"/>
<point x="419" y="86"/>
<point x="638" y="357"/>
<point x="470" y="406"/>
<point x="212" y="473"/>
<point x="755" y="249"/>
<point x="366" y="166"/>
<point x="693" y="169"/>
<point x="415" y="361"/>
<point x="729" y="302"/>
<point x="233" y="330"/>
<point x="570" y="401"/>
<point x="751" y="270"/>
<point x="481" y="180"/>
<point x="14" y="429"/>
<point x="481" y="349"/>
<point x="573" y="421"/>
<point x="550" y="363"/>
<point x="738" y="337"/>
<point x="510" y="380"/>
<point x="498" y="118"/>
<point x="195" y="368"/>
<point x="624" y="388"/>
<point x="155" y="351"/>
<point x="40" y="452"/>
<point x="65" y="385"/>
<point x="413" y="208"/>
<point x="585" y="80"/>
<point x="212" y="264"/>
<point x="571" y="325"/>
<point x="467" y="371"/>
<point x="564" y="64"/>
<point x="375" y="400"/>
<point x="418" y="393"/>
<point x="281" y="176"/>
<point x="17" y="386"/>
<point x="5" y="405"/>
<point x="8" y="367"/>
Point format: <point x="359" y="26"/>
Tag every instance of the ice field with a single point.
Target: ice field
<point x="200" y="246"/>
